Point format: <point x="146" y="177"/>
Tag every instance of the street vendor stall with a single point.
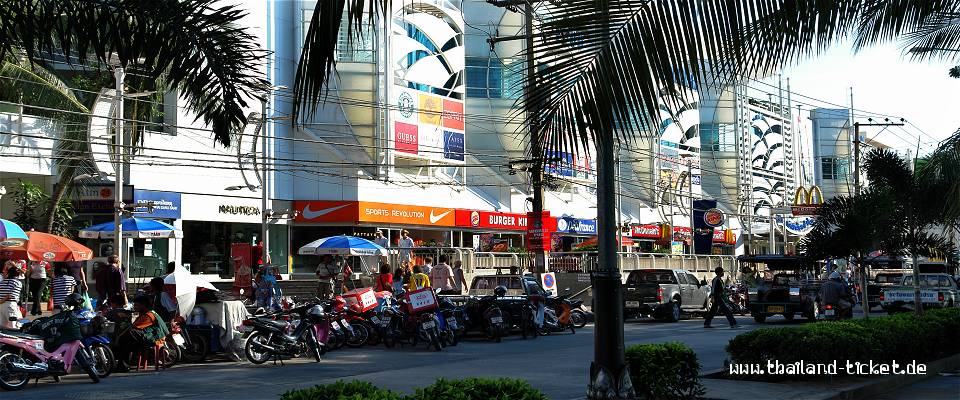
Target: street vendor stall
<point x="347" y="246"/>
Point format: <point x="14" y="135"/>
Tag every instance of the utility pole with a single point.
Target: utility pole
<point x="541" y="257"/>
<point x="264" y="226"/>
<point x="119" y="144"/>
<point x="690" y="198"/>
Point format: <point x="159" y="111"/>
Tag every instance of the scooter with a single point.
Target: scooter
<point x="23" y="357"/>
<point x="94" y="329"/>
<point x="833" y="311"/>
<point x="269" y="338"/>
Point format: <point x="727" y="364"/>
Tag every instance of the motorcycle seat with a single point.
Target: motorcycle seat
<point x="16" y="333"/>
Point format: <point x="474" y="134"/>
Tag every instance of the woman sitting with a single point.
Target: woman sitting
<point x="147" y="330"/>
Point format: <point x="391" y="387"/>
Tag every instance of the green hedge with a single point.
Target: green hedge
<point x="465" y="389"/>
<point x="479" y="389"/>
<point x="340" y="390"/>
<point x="664" y="371"/>
<point x="902" y="338"/>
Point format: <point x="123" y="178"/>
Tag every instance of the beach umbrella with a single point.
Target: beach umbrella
<point x="41" y="246"/>
<point x="343" y="246"/>
<point x="186" y="285"/>
<point x="136" y="228"/>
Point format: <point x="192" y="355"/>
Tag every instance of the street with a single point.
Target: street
<point x="558" y="365"/>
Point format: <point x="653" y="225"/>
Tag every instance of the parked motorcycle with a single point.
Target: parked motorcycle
<point x="484" y="315"/>
<point x="453" y="321"/>
<point x="269" y="338"/>
<point x="23" y="356"/>
<point x="94" y="328"/>
<point x="557" y="315"/>
<point x="737" y="296"/>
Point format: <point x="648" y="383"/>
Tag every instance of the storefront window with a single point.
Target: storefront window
<point x="207" y="246"/>
<point x="148" y="257"/>
<point x="279" y="252"/>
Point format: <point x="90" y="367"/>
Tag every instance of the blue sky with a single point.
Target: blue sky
<point x="884" y="82"/>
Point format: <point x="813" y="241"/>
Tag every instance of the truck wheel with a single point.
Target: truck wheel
<point x="759" y="318"/>
<point x="673" y="312"/>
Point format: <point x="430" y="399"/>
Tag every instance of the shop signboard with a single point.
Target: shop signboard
<point x="676" y="247"/>
<point x="724" y="236"/>
<point x="166" y="205"/>
<point x="681" y="232"/>
<point x="650" y="231"/>
<point x="538" y="231"/>
<point x="491" y="220"/>
<point x="92" y="198"/>
<point x="427" y="105"/>
<point x="365" y="211"/>
<point x="576" y="226"/>
<point x="807" y="202"/>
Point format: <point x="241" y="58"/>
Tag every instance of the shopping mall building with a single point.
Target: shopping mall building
<point x="418" y="133"/>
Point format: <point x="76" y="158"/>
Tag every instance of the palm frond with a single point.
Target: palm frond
<point x="317" y="58"/>
<point x="886" y="168"/>
<point x="196" y="45"/>
<point x="941" y="174"/>
<point x="937" y="38"/>
<point x="613" y="65"/>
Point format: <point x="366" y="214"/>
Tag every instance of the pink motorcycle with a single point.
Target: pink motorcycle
<point x="22" y="357"/>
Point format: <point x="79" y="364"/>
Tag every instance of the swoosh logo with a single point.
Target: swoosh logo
<point x="435" y="218"/>
<point x="311" y="214"/>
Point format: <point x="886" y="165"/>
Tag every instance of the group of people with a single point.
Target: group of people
<point x="64" y="278"/>
<point x="410" y="277"/>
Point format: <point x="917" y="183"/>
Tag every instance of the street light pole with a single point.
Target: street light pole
<point x="119" y="141"/>
<point x="264" y="227"/>
<point x="690" y="197"/>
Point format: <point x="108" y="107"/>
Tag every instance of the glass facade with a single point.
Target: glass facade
<point x="494" y="78"/>
<point x="361" y="49"/>
<point x="209" y="247"/>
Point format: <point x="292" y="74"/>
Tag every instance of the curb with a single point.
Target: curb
<point x="887" y="384"/>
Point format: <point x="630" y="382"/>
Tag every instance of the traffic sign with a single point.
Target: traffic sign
<point x="549" y="281"/>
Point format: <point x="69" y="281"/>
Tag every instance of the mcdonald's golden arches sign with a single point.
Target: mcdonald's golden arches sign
<point x="807" y="202"/>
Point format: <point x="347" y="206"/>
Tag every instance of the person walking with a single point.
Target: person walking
<point x="406" y="244"/>
<point x="110" y="286"/>
<point x="11" y="290"/>
<point x="62" y="285"/>
<point x="326" y="272"/>
<point x="418" y="280"/>
<point x="719" y="297"/>
<point x="36" y="281"/>
<point x="459" y="277"/>
<point x="442" y="276"/>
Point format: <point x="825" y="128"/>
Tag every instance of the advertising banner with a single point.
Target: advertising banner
<point x="165" y="204"/>
<point x="491" y="220"/>
<point x="576" y="226"/>
<point x="364" y="211"/>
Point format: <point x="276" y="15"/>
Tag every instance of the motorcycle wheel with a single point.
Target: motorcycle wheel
<point x="313" y="344"/>
<point x="171" y="354"/>
<point x="435" y="342"/>
<point x="103" y="358"/>
<point x="196" y="349"/>
<point x="389" y="340"/>
<point x="452" y="339"/>
<point x="578" y="319"/>
<point x="10" y="380"/>
<point x="361" y="333"/>
<point x="493" y="333"/>
<point x="339" y="339"/>
<point x="257" y="356"/>
<point x="88" y="363"/>
<point x="376" y="335"/>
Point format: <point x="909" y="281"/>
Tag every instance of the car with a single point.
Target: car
<point x="664" y="294"/>
<point x="517" y="285"/>
<point x="936" y="291"/>
<point x="881" y="281"/>
<point x="792" y="289"/>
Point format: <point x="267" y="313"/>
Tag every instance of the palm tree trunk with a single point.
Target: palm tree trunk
<point x="66" y="179"/>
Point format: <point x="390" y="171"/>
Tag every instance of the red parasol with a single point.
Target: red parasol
<point x="46" y="247"/>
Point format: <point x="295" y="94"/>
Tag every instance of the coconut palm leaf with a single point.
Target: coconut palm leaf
<point x="317" y="57"/>
<point x="195" y="45"/>
<point x="941" y="174"/>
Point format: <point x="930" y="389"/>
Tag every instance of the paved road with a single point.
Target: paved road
<point x="558" y="364"/>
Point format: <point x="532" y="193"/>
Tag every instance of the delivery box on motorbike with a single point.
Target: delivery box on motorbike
<point x="421" y="300"/>
<point x="364" y="298"/>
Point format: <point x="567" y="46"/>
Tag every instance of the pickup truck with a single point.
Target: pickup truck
<point x="664" y="294"/>
<point x="936" y="291"/>
<point x="880" y="282"/>
<point x="792" y="289"/>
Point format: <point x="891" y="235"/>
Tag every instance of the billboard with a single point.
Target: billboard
<point x="427" y="82"/>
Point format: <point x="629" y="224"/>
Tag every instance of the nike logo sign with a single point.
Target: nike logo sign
<point x="311" y="214"/>
<point x="435" y="218"/>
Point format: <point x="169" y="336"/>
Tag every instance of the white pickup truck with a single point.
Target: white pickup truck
<point x="936" y="291"/>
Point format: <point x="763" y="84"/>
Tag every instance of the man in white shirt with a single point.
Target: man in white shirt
<point x="327" y="273"/>
<point x="442" y="277"/>
<point x="406" y="243"/>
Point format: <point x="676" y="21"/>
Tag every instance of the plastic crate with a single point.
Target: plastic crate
<point x="365" y="298"/>
<point x="421" y="300"/>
